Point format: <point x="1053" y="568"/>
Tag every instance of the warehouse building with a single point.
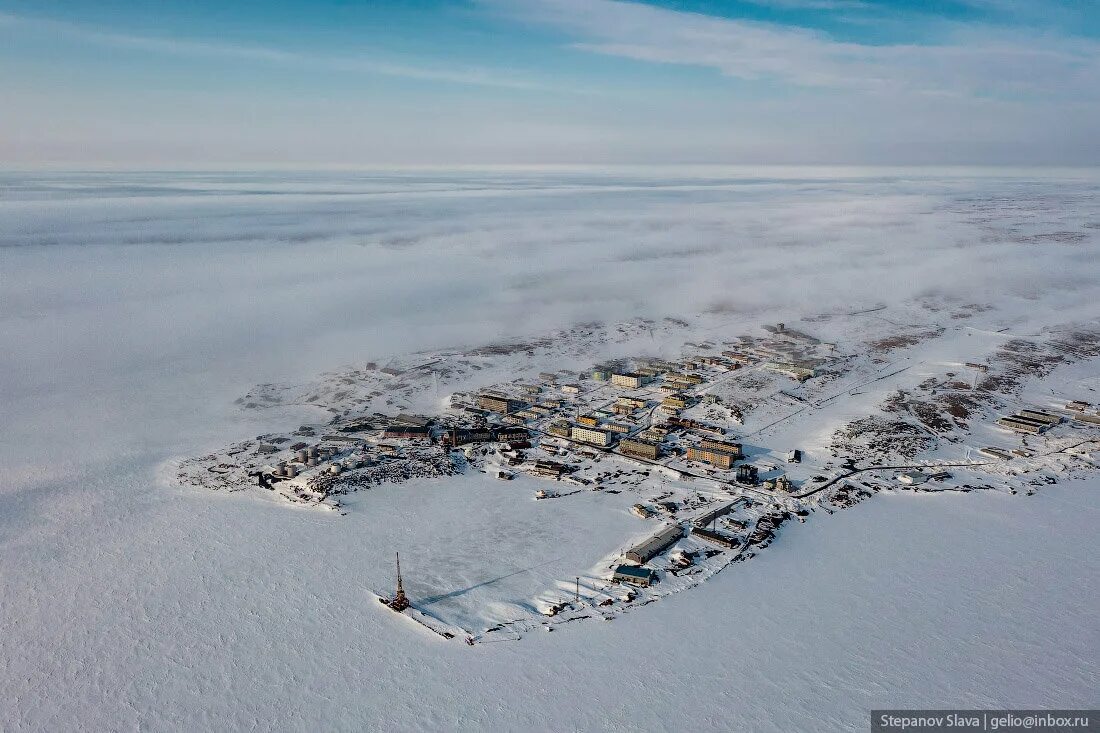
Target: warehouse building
<point x="1018" y="425"/>
<point x="655" y="545"/>
<point x="716" y="538"/>
<point x="639" y="448"/>
<point x="641" y="577"/>
<point x="594" y="436"/>
<point x="705" y="519"/>
<point x="1043" y="417"/>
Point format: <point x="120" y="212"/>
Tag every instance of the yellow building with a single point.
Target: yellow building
<point x="717" y="458"/>
<point x="733" y="449"/>
<point x="675" y="401"/>
<point x="640" y="448"/>
<point x="631" y="380"/>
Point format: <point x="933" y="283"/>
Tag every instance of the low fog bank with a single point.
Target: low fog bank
<point x="135" y="307"/>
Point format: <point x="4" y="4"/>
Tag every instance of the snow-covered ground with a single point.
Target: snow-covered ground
<point x="136" y="309"/>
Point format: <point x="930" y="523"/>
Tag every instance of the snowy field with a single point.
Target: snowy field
<point x="134" y="310"/>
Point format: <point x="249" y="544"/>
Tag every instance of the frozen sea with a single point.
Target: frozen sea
<point x="134" y="308"/>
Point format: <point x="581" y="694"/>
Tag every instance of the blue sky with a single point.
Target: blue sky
<point x="168" y="83"/>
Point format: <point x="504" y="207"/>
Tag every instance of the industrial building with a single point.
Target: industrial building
<point x="628" y="379"/>
<point x="591" y="435"/>
<point x="639" y="448"/>
<point x="642" y="577"/>
<point x="407" y="432"/>
<point x="549" y="468"/>
<point x="747" y="473"/>
<point x="655" y="545"/>
<point x="779" y="483"/>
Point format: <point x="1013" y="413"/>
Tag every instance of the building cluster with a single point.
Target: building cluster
<point x="1029" y="422"/>
<point x="1080" y="411"/>
<point x="632" y="407"/>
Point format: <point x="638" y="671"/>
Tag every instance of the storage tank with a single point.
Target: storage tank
<point x="291" y="471"/>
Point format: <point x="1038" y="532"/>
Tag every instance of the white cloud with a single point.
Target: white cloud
<point x="974" y="61"/>
<point x="200" y="48"/>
